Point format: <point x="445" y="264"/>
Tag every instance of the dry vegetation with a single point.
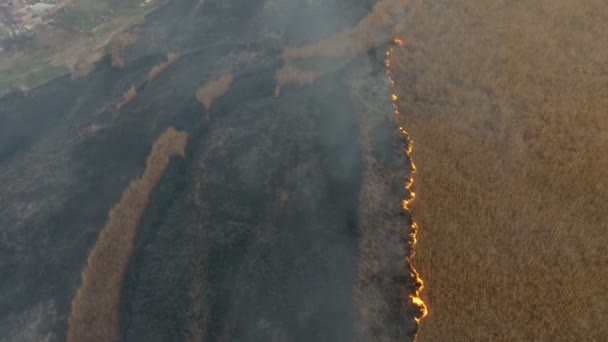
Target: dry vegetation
<point x="378" y="28"/>
<point x="127" y="97"/>
<point x="116" y="48"/>
<point x="94" y="312"/>
<point x="158" y="69"/>
<point x="508" y="105"/>
<point x="292" y="75"/>
<point x="213" y="89"/>
<point x="81" y="59"/>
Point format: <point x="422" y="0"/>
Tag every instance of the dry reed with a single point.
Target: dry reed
<point x="376" y="29"/>
<point x="507" y="104"/>
<point x="213" y="89"/>
<point x="158" y="69"/>
<point x="127" y="97"/>
<point x="94" y="313"/>
<point x="116" y="49"/>
<point x="292" y="75"/>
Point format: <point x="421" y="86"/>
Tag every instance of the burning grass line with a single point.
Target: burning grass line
<point x="94" y="314"/>
<point x="415" y="298"/>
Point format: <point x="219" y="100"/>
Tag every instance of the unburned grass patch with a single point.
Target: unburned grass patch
<point x="213" y="89"/>
<point x="507" y="104"/>
<point x="158" y="69"/>
<point x="95" y="307"/>
<point x="292" y="75"/>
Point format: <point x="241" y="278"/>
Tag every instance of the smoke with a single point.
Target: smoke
<point x="348" y="147"/>
<point x="378" y="28"/>
<point x="116" y="48"/>
<point x="384" y="311"/>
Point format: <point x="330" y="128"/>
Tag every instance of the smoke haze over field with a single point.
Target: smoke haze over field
<point x="280" y="221"/>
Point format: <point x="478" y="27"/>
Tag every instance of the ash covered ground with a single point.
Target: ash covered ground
<point x="283" y="220"/>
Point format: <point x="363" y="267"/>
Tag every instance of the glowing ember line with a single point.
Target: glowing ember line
<point x="418" y="303"/>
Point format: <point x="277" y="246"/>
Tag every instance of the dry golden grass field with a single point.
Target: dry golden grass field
<point x="507" y="102"/>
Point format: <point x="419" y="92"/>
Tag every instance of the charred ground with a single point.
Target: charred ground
<point x="256" y="233"/>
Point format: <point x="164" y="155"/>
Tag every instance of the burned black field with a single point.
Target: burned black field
<point x="281" y="221"/>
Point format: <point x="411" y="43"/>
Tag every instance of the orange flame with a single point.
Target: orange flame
<point x="415" y="298"/>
